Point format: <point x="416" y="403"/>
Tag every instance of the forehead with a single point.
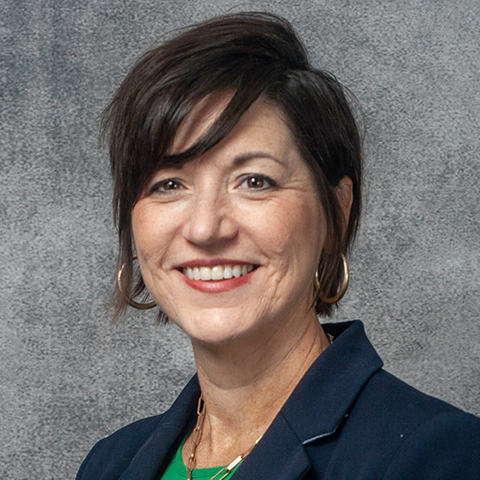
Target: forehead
<point x="198" y="121"/>
<point x="262" y="123"/>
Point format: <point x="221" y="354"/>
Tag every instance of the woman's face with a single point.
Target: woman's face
<point x="228" y="244"/>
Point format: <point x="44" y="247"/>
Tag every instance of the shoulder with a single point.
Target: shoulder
<point x="403" y="433"/>
<point x="132" y="435"/>
<point x="122" y="445"/>
<point x="144" y="445"/>
<point x="446" y="445"/>
<point x="389" y="400"/>
<point x="437" y="440"/>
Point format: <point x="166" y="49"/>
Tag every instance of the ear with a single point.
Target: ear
<point x="344" y="191"/>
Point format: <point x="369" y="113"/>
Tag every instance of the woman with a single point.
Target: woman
<point x="237" y="174"/>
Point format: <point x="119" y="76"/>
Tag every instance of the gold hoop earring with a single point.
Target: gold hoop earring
<point x="131" y="302"/>
<point x="343" y="286"/>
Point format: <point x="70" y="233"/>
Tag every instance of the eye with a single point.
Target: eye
<point x="166" y="186"/>
<point x="257" y="182"/>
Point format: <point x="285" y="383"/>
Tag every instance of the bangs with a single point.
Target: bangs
<point x="241" y="56"/>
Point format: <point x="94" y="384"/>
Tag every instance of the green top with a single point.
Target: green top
<point x="176" y="470"/>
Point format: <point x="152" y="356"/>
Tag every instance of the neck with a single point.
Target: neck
<point x="245" y="384"/>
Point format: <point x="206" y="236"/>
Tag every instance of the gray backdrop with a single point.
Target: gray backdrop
<point x="67" y="376"/>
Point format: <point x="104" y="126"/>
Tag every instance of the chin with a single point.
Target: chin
<point x="216" y="327"/>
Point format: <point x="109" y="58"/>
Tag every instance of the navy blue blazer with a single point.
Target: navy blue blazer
<point x="346" y="419"/>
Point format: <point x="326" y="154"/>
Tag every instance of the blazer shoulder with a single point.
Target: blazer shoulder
<point x="388" y="410"/>
<point x="133" y="434"/>
<point x="393" y="397"/>
<point x="394" y="431"/>
<point x="121" y="446"/>
<point x="143" y="445"/>
<point x="445" y="446"/>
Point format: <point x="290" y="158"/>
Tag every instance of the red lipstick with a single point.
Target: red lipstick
<point x="216" y="286"/>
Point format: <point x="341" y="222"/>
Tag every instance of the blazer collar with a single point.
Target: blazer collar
<point x="317" y="406"/>
<point x="315" y="409"/>
<point x="326" y="393"/>
<point x="174" y="425"/>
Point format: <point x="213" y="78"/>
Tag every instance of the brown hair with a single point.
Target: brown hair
<point x="251" y="54"/>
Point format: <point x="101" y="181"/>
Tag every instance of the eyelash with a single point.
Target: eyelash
<point x="159" y="187"/>
<point x="257" y="177"/>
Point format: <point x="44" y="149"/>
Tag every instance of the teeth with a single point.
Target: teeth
<point x="205" y="273"/>
<point x="219" y="272"/>
<point x="227" y="271"/>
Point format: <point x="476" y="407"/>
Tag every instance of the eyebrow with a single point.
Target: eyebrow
<point x="244" y="158"/>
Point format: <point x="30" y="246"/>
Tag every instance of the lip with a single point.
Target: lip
<point x="214" y="286"/>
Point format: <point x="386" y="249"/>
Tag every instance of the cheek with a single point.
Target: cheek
<point x="149" y="233"/>
<point x="306" y="233"/>
<point x="153" y="240"/>
<point x="141" y="226"/>
<point x="292" y="231"/>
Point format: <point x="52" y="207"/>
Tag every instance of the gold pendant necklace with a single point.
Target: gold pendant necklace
<point x="197" y="435"/>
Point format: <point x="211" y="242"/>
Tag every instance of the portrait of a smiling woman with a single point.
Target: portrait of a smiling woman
<point x="237" y="170"/>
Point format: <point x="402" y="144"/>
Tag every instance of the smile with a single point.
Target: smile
<point x="217" y="272"/>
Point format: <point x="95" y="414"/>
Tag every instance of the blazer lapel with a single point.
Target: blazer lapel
<point x="326" y="393"/>
<point x="174" y="426"/>
<point x="316" y="408"/>
<point x="279" y="455"/>
<point x="314" y="411"/>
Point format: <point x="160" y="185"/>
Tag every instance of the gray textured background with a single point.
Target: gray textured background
<point x="67" y="376"/>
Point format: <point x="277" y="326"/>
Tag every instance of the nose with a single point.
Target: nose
<point x="210" y="220"/>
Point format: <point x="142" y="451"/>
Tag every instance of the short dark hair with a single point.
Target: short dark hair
<point x="252" y="55"/>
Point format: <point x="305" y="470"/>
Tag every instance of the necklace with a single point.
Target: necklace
<point x="196" y="437"/>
